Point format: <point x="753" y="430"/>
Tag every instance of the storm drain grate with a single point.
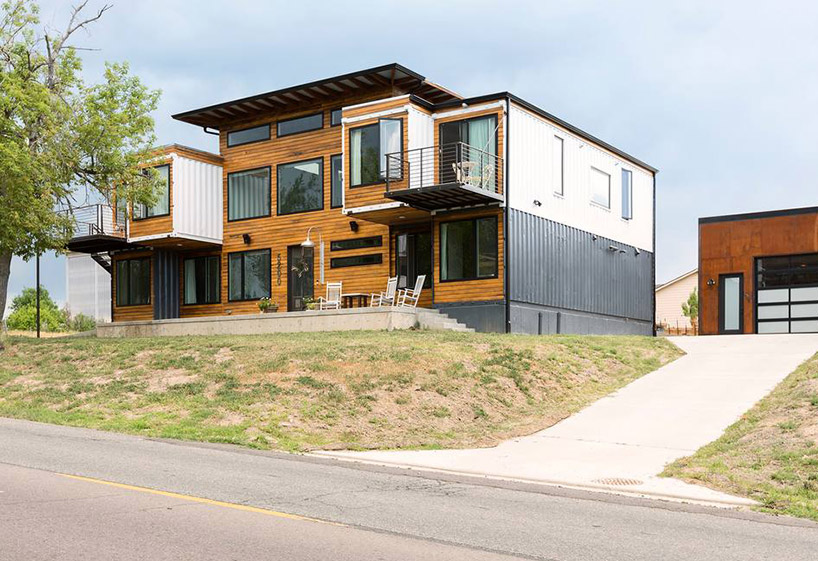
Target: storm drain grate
<point x="618" y="481"/>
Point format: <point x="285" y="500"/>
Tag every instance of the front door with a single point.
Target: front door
<point x="731" y="303"/>
<point x="300" y="276"/>
<point x="413" y="257"/>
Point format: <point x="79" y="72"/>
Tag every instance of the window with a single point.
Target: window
<point x="368" y="147"/>
<point x="557" y="165"/>
<point x="627" y="194"/>
<point x="162" y="205"/>
<point x="300" y="124"/>
<point x="335" y="117"/>
<point x="468" y="249"/>
<point x="372" y="259"/>
<point x="246" y="136"/>
<point x="356" y="243"/>
<point x="480" y="133"/>
<point x="600" y="188"/>
<point x="336" y="181"/>
<point x="248" y="194"/>
<point x="413" y="257"/>
<point x="248" y="275"/>
<point x="202" y="280"/>
<point x="300" y="186"/>
<point x="133" y="282"/>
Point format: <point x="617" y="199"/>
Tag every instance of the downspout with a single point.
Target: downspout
<point x="506" y="273"/>
<point x="653" y="263"/>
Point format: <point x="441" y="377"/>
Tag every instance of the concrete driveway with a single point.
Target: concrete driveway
<point x="621" y="442"/>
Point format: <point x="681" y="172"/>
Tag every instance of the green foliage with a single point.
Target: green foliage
<point x="690" y="309"/>
<point x="81" y="322"/>
<point x="23" y="315"/>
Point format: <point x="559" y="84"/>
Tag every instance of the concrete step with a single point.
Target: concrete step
<point x="439" y="321"/>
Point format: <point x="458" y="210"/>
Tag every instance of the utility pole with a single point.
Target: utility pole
<point x="38" y="293"/>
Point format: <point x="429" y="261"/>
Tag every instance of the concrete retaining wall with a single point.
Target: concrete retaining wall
<point x="290" y="322"/>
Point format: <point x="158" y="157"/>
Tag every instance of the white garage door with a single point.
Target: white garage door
<point x="787" y="294"/>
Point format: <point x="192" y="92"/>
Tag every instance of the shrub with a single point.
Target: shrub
<point x="81" y="322"/>
<point x="23" y="316"/>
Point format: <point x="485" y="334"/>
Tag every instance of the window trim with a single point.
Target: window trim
<point x="334" y="242"/>
<point x="341" y="158"/>
<point x="629" y="215"/>
<point x="150" y="280"/>
<point x="591" y="198"/>
<point x="333" y="262"/>
<point x="319" y="159"/>
<point x="218" y="258"/>
<point x="474" y="222"/>
<point x="269" y="252"/>
<point x="269" y="198"/>
<point x="381" y="181"/>
<point x="331" y="111"/>
<point x="170" y="182"/>
<point x="233" y="145"/>
<point x="278" y="123"/>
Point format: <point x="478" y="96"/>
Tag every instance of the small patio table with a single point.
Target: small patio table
<point x="350" y="297"/>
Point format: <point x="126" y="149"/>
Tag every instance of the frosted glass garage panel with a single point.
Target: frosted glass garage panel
<point x="803" y="311"/>
<point x="772" y="295"/>
<point x="803" y="294"/>
<point x="808" y="326"/>
<point x="774" y="327"/>
<point x="773" y="312"/>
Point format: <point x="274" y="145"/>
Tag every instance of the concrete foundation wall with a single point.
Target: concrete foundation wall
<point x="291" y="322"/>
<point x="542" y="320"/>
<point x="485" y="317"/>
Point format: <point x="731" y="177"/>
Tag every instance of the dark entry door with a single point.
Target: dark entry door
<point x="731" y="303"/>
<point x="413" y="257"/>
<point x="300" y="264"/>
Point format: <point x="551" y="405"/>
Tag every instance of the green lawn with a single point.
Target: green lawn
<point x="415" y="389"/>
<point x="770" y="454"/>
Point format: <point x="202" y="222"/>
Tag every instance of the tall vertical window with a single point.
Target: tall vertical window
<point x="248" y="194"/>
<point x="468" y="249"/>
<point x="557" y="165"/>
<point x="300" y="186"/>
<point x="202" y="280"/>
<point x="162" y="205"/>
<point x="627" y="194"/>
<point x="133" y="282"/>
<point x="336" y="181"/>
<point x="335" y="117"/>
<point x="248" y="275"/>
<point x="368" y="147"/>
<point x="600" y="187"/>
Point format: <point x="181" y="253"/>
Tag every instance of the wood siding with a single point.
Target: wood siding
<point x="732" y="246"/>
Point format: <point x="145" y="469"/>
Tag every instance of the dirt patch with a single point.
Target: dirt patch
<point x="223" y="355"/>
<point x="164" y="379"/>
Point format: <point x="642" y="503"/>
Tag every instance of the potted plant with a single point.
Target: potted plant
<point x="309" y="303"/>
<point x="267" y="306"/>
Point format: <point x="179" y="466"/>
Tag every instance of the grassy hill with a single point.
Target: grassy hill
<point x="418" y="389"/>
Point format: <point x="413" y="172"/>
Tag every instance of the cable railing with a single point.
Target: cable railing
<point x="456" y="163"/>
<point x="97" y="219"/>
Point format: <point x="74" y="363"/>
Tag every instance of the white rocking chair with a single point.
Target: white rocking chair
<point x="333" y="299"/>
<point x="385" y="298"/>
<point x="408" y="297"/>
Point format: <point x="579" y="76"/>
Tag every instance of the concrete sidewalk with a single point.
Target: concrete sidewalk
<point x="621" y="442"/>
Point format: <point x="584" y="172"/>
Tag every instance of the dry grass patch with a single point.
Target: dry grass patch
<point x="770" y="454"/>
<point x="356" y="390"/>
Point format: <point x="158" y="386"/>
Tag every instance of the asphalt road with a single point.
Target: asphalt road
<point x="384" y="513"/>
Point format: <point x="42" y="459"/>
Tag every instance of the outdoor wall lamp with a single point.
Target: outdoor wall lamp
<point x="353" y="225"/>
<point x="711" y="282"/>
<point x="537" y="203"/>
<point x="246" y="238"/>
<point x="308" y="243"/>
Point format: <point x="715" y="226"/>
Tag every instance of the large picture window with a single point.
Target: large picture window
<point x="336" y="181"/>
<point x="133" y="282"/>
<point x="300" y="124"/>
<point x="246" y="136"/>
<point x="300" y="186"/>
<point x="248" y="194"/>
<point x="248" y="275"/>
<point x="162" y="205"/>
<point x="368" y="147"/>
<point x="202" y="280"/>
<point x="468" y="249"/>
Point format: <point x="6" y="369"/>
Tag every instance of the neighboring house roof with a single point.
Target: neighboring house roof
<point x="756" y="215"/>
<point x="677" y="279"/>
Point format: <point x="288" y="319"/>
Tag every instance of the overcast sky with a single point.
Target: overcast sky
<point x="720" y="96"/>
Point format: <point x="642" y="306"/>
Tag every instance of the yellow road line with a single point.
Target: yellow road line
<point x="210" y="502"/>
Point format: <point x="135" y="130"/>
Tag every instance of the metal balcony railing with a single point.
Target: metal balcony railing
<point x="456" y="163"/>
<point x="96" y="220"/>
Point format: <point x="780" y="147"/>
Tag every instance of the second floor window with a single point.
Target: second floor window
<point x="368" y="147"/>
<point x="557" y="163"/>
<point x="300" y="124"/>
<point x="627" y="194"/>
<point x="336" y="182"/>
<point x="600" y="188"/>
<point x="301" y="186"/>
<point x="246" y="136"/>
<point x="248" y="194"/>
<point x="162" y="205"/>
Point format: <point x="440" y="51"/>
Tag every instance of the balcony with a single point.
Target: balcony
<point x="97" y="229"/>
<point x="444" y="177"/>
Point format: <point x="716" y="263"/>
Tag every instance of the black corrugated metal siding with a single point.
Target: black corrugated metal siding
<point x="165" y="285"/>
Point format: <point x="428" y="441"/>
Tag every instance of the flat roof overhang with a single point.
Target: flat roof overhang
<point x="445" y="196"/>
<point x="98" y="243"/>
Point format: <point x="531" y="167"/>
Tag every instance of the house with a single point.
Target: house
<point x="759" y="272"/>
<point x="669" y="299"/>
<point x="520" y="221"/>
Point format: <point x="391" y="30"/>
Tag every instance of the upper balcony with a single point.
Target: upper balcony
<point x="444" y="177"/>
<point x="98" y="228"/>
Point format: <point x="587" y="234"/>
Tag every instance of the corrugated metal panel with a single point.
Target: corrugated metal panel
<point x="197" y="199"/>
<point x="556" y="265"/>
<point x="165" y="284"/>
<point x="532" y="177"/>
<point x="88" y="287"/>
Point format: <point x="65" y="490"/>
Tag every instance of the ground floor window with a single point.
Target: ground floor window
<point x="133" y="282"/>
<point x="248" y="275"/>
<point x="468" y="249"/>
<point x="202" y="276"/>
<point x="413" y="257"/>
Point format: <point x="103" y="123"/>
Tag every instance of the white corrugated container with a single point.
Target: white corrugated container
<point x="197" y="200"/>
<point x="87" y="287"/>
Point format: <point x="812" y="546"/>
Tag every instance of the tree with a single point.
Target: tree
<point x="23" y="316"/>
<point x="690" y="309"/>
<point x="60" y="136"/>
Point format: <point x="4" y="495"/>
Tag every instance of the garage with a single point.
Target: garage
<point x="787" y="294"/>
